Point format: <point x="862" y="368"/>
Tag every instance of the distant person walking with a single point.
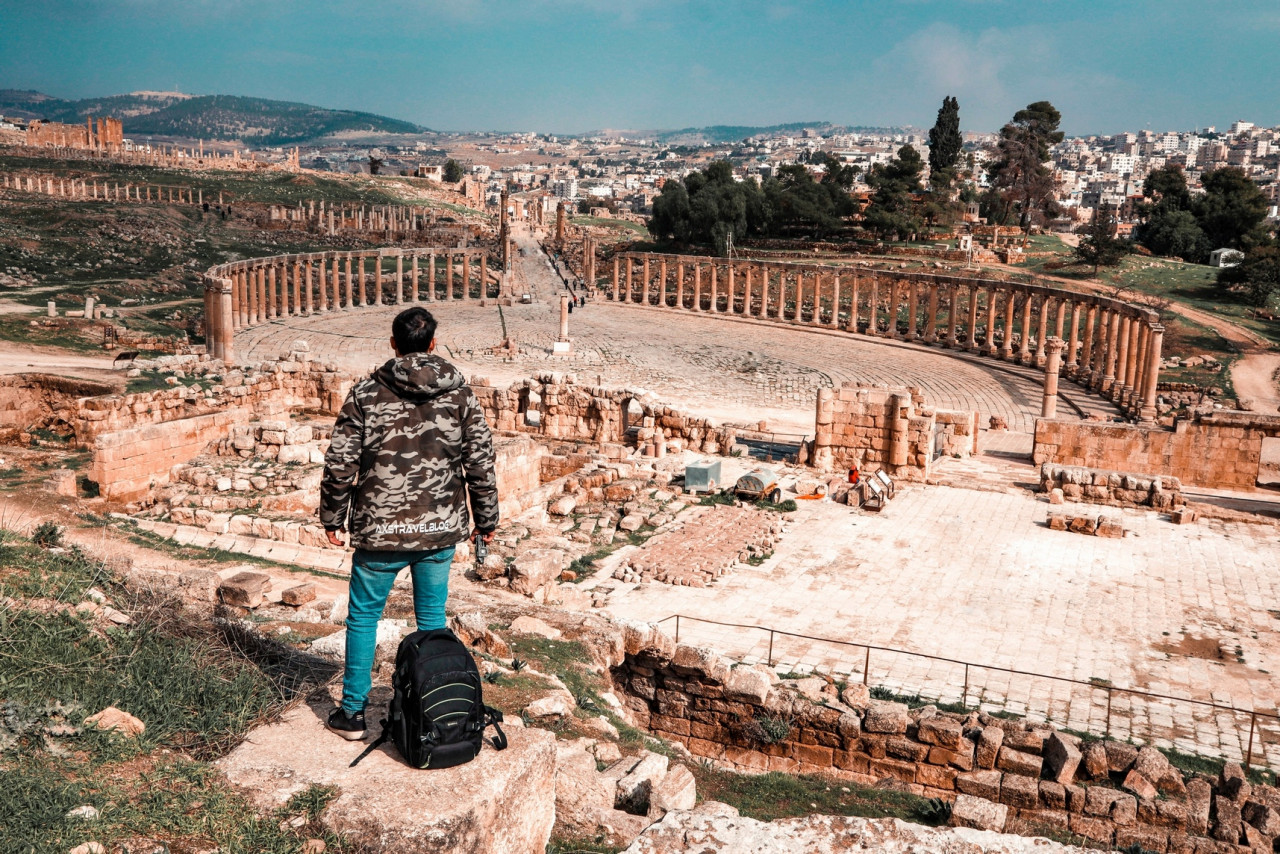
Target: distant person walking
<point x="411" y="449"/>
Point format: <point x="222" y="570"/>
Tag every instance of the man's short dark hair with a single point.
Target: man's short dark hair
<point x="413" y="330"/>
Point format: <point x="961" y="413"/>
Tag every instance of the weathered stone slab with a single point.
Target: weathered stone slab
<point x="501" y="802"/>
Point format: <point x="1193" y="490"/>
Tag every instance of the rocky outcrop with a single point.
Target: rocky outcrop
<point x="680" y="832"/>
<point x="500" y="803"/>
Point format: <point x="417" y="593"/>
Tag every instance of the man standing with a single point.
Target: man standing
<point x="410" y="450"/>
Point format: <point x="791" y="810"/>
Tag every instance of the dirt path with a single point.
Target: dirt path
<point x="18" y="358"/>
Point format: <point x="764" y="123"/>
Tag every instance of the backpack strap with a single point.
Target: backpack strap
<point x="493" y="717"/>
<point x="377" y="742"/>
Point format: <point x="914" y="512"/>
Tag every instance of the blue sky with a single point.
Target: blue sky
<point x="576" y="65"/>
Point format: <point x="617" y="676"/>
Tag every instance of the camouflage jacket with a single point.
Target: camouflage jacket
<point x="410" y="447"/>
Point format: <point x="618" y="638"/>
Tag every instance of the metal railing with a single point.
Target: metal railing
<point x="1092" y="685"/>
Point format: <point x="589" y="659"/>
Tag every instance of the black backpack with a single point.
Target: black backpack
<point x="437" y="716"/>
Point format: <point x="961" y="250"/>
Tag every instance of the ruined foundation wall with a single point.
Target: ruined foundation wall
<point x="1111" y="793"/>
<point x="33" y="401"/>
<point x="1218" y="450"/>
<point x="128" y="463"/>
<point x="889" y="429"/>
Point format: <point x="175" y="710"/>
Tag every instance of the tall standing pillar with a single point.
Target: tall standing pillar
<point x="714" y="307"/>
<point x="335" y="280"/>
<point x="377" y="277"/>
<point x="913" y="309"/>
<point x="242" y="286"/>
<point x="413" y="279"/>
<point x="1082" y="375"/>
<point x="853" y="304"/>
<point x="953" y="309"/>
<point x="307" y="295"/>
<point x="1122" y="360"/>
<point x="628" y="289"/>
<point x="835" y="300"/>
<point x="1053" y="359"/>
<point x="679" y="282"/>
<point x="273" y="295"/>
<point x="448" y="276"/>
<point x="225" y="325"/>
<point x="253" y="296"/>
<point x="764" y="291"/>
<point x="1112" y="351"/>
<point x="1148" y="413"/>
<point x="990" y="348"/>
<point x="1024" y="336"/>
<point x="615" y="278"/>
<point x="322" y="284"/>
<point x="873" y="306"/>
<point x="644" y="280"/>
<point x="399" y="278"/>
<point x="1006" y="342"/>
<point x="1098" y="361"/>
<point x="662" y="281"/>
<point x="931" y="320"/>
<point x="1042" y="332"/>
<point x="697" y="285"/>
<point x="1131" y="363"/>
<point x="815" y="317"/>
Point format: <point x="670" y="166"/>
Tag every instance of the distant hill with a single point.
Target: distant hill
<point x="230" y="117"/>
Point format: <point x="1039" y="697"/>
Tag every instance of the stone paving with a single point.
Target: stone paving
<point x="975" y="575"/>
<point x="737" y="370"/>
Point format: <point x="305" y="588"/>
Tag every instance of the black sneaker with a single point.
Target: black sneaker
<point x="350" y="727"/>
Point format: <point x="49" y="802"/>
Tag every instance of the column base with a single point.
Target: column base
<point x="562" y="348"/>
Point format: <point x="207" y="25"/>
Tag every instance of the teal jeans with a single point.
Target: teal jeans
<point x="372" y="574"/>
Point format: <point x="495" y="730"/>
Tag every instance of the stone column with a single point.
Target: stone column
<point x="564" y="317"/>
<point x="377" y="277"/>
<point x="1073" y="360"/>
<point x="226" y="327"/>
<point x="1043" y="332"/>
<point x="662" y="281"/>
<point x="1060" y="305"/>
<point x="697" y="285"/>
<point x="730" y="275"/>
<point x="1024" y="343"/>
<point x="1112" y="351"/>
<point x="273" y="301"/>
<point x="953" y="303"/>
<point x="990" y="348"/>
<point x="815" y="318"/>
<point x="835" y="300"/>
<point x="1135" y="400"/>
<point x="1098" y="362"/>
<point x="1131" y="363"/>
<point x="335" y="281"/>
<point x="1084" y="365"/>
<point x="448" y="275"/>
<point x="715" y="296"/>
<point x="615" y="278"/>
<point x="308" y="296"/>
<point x="1006" y="345"/>
<point x="679" y="282"/>
<point x="1053" y="359"/>
<point x="931" y="321"/>
<point x="913" y="309"/>
<point x="1122" y="360"/>
<point x="400" y="278"/>
<point x="764" y="291"/>
<point x="242" y="286"/>
<point x="322" y="284"/>
<point x="254" y="302"/>
<point x="853" y="304"/>
<point x="413" y="279"/>
<point x="1149" y="413"/>
<point x="873" y="308"/>
<point x="431" y="277"/>
<point x="644" y="281"/>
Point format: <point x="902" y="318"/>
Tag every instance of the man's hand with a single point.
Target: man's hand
<point x="334" y="537"/>
<point x="475" y="533"/>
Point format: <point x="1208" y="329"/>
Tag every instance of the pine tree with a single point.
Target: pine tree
<point x="945" y="142"/>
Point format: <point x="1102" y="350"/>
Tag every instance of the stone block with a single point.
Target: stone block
<point x="1120" y="756"/>
<point x="978" y="813"/>
<point x="299" y="594"/>
<point x="1020" y="792"/>
<point x="244" y="589"/>
<point x="535" y="568"/>
<point x="1061" y="757"/>
<point x="1094" y="758"/>
<point x="885" y="717"/>
<point x="1199" y="805"/>
<point x="1053" y="795"/>
<point x="1144" y="838"/>
<point x="1228" y="824"/>
<point x="981" y="784"/>
<point x="935" y="777"/>
<point x="942" y="732"/>
<point x="1096" y="829"/>
<point x="635" y="788"/>
<point x="1017" y="762"/>
<point x="677" y="790"/>
<point x="989" y="743"/>
<point x="747" y="684"/>
<point x="1140" y="785"/>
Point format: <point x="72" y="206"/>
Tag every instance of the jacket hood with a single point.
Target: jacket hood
<point x="419" y="376"/>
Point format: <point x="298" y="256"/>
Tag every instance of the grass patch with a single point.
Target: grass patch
<point x="568" y="661"/>
<point x="775" y="795"/>
<point x="198" y="686"/>
<point x="585" y="566"/>
<point x="915" y="701"/>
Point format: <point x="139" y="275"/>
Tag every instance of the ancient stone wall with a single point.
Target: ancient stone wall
<point x="556" y="407"/>
<point x="1097" y="486"/>
<point x="128" y="463"/>
<point x="1219" y="450"/>
<point x="889" y="429"/>
<point x="1111" y="793"/>
<point x="37" y="401"/>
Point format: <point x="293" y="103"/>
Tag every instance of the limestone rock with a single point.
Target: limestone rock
<point x="706" y="833"/>
<point x="535" y="568"/>
<point x="989" y="743"/>
<point x="978" y="813"/>
<point x="747" y="684"/>
<point x="563" y="506"/>
<point x="1095" y="760"/>
<point x="526" y="625"/>
<point x="1061" y="757"/>
<point x="885" y="717"/>
<point x="334" y="646"/>
<point x="583" y="796"/>
<point x="677" y="790"/>
<point x="501" y="802"/>
<point x="473" y="630"/>
<point x="245" y="589"/>
<point x="116" y="720"/>
<point x="856" y="696"/>
<point x="299" y="594"/>
<point x="558" y="705"/>
<point x="636" y="787"/>
<point x="89" y="848"/>
<point x="1138" y="783"/>
<point x="646" y="641"/>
